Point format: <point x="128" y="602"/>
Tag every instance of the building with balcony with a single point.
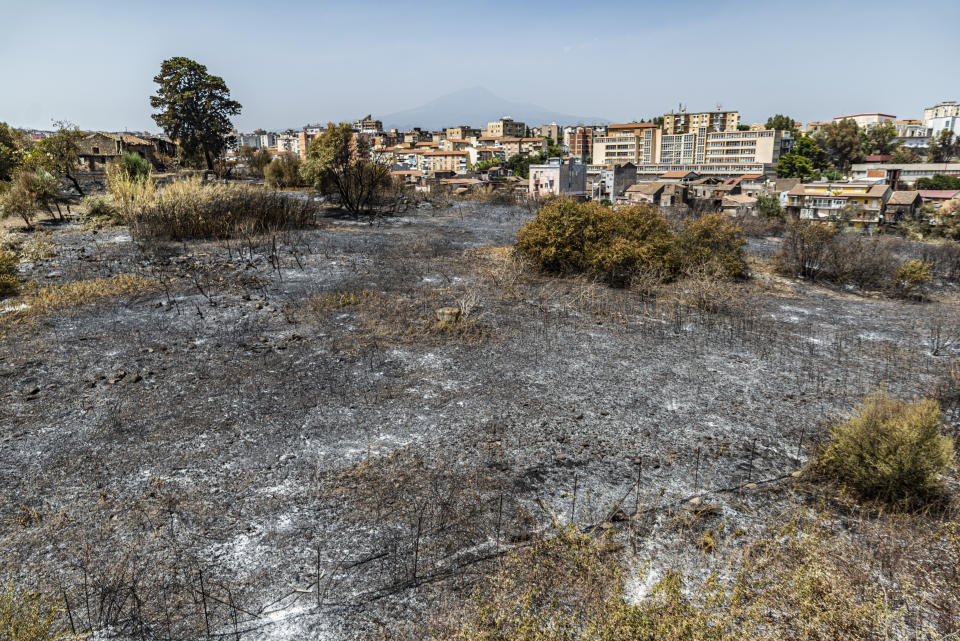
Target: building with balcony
<point x="506" y="127"/>
<point x="861" y="203"/>
<point x="683" y="122"/>
<point x="943" y="115"/>
<point x="461" y="133"/>
<point x="904" y="174"/>
<point x="455" y="161"/>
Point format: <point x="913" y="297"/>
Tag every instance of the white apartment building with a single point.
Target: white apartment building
<point x="867" y="121"/>
<point x="945" y="115"/>
<point x="288" y="142"/>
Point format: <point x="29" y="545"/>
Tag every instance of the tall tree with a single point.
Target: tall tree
<point x="881" y="139"/>
<point x="805" y="161"/>
<point x="60" y="153"/>
<point x="195" y="108"/>
<point x="782" y="123"/>
<point x="942" y="147"/>
<point x="843" y="143"/>
<point x="903" y="155"/>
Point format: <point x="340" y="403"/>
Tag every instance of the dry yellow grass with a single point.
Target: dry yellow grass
<point x="56" y="299"/>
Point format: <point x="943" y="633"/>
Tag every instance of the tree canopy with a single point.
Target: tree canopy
<point x="943" y="147"/>
<point x="938" y="181"/>
<point x="843" y="142"/>
<point x="805" y="161"/>
<point x="59" y="154"/>
<point x="12" y="149"/>
<point x="782" y="123"/>
<point x="881" y="140"/>
<point x="194" y="108"/>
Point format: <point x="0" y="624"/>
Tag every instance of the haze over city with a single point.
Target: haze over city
<point x="290" y="63"/>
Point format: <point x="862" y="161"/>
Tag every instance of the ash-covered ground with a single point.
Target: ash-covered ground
<point x="277" y="439"/>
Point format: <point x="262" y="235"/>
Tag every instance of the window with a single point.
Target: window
<point x="96" y="151"/>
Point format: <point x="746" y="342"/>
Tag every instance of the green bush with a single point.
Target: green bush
<point x="912" y="276"/>
<point x="9" y="275"/>
<point x="133" y="166"/>
<point x="568" y="237"/>
<point x="100" y="212"/>
<point x="889" y="450"/>
<point x="283" y="173"/>
<point x="193" y="209"/>
<point x="713" y="240"/>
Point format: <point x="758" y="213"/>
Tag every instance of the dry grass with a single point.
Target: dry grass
<point x="191" y="208"/>
<point x="60" y="299"/>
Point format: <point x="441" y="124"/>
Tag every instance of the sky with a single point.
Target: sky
<point x="290" y="63"/>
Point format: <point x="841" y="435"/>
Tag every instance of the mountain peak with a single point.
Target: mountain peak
<point x="476" y="106"/>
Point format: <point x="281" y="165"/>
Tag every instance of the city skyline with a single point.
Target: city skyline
<point x="299" y="63"/>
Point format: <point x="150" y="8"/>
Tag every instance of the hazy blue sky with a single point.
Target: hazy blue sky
<point x="293" y="62"/>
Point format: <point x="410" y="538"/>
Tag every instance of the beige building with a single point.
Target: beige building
<point x="455" y="161"/>
<point x="634" y="142"/>
<point x="549" y="131"/>
<point x="683" y="122"/>
<point x="506" y="127"/>
<point x="460" y="133"/>
<point x="764" y="146"/>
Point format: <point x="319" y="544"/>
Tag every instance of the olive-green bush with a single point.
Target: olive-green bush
<point x="890" y="450"/>
<point x="567" y="237"/>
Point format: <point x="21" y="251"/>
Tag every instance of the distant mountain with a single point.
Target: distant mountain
<point x="476" y="107"/>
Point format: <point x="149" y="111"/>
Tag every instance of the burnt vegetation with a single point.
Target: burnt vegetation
<point x="271" y="422"/>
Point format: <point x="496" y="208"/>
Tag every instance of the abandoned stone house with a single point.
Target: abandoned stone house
<point x="100" y="149"/>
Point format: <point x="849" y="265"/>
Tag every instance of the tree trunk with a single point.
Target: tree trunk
<point x="76" y="184"/>
<point x="209" y="159"/>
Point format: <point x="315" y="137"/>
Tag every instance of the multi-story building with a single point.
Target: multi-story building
<point x="827" y="201"/>
<point x="578" y="141"/>
<point x="945" y="115"/>
<point x="367" y="125"/>
<point x="559" y="178"/>
<point x="248" y="140"/>
<point x="548" y="131"/>
<point x="481" y="154"/>
<point x="912" y="134"/>
<point x="288" y="142"/>
<point x="683" y="122"/>
<point x="634" y="142"/>
<point x="764" y="146"/>
<point x="455" y="161"/>
<point x="506" y="127"/>
<point x="461" y="133"/>
<point x="867" y="121"/>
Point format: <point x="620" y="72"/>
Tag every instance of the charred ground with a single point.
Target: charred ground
<point x="277" y="436"/>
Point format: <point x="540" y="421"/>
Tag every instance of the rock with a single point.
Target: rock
<point x="604" y="413"/>
<point x="561" y="457"/>
<point x="751" y="486"/>
<point x="31" y="391"/>
<point x="447" y="314"/>
<point x="796" y="474"/>
<point x="695" y="501"/>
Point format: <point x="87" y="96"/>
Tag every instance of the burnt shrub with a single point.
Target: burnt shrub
<point x="567" y="237"/>
<point x="889" y="450"/>
<point x="805" y="249"/>
<point x="194" y="209"/>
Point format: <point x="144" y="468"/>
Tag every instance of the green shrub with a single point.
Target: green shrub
<point x="193" y="209"/>
<point x="18" y="199"/>
<point x="889" y="450"/>
<point x="9" y="275"/>
<point x="568" y="237"/>
<point x="133" y="166"/>
<point x="283" y="173"/>
<point x="713" y="240"/>
<point x="912" y="276"/>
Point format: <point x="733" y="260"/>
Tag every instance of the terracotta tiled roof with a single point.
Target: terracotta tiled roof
<point x="903" y="198"/>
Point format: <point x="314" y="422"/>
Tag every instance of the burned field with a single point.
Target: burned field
<point x="279" y="436"/>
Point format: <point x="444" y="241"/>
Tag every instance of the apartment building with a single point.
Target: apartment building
<point x="559" y="178"/>
<point x="578" y="141"/>
<point x="912" y="134"/>
<point x="634" y="142"/>
<point x="288" y="142"/>
<point x="867" y="121"/>
<point x="461" y="133"/>
<point x="506" y="127"/>
<point x="481" y="154"/>
<point x="548" y="131"/>
<point x="764" y="146"/>
<point x="367" y="125"/>
<point x="824" y="201"/>
<point x="683" y="122"/>
<point x="814" y="127"/>
<point x="945" y="115"/>
<point x="455" y="161"/>
<point x="248" y="140"/>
